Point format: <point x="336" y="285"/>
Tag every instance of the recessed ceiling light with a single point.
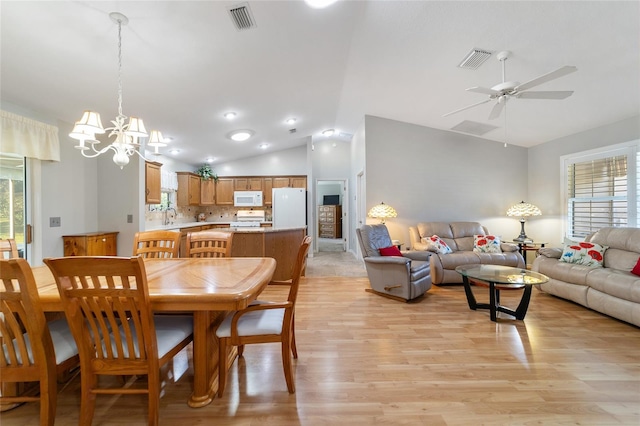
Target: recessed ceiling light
<point x="319" y="4"/>
<point x="174" y="151"/>
<point x="230" y="115"/>
<point x="210" y="160"/>
<point x="328" y="132"/>
<point x="290" y="120"/>
<point x="240" y="135"/>
<point x="264" y="145"/>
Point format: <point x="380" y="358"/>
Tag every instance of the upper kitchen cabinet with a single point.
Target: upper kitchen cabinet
<point x="248" y="184"/>
<point x="207" y="192"/>
<point x="188" y="189"/>
<point x="224" y="191"/>
<point x="290" y="182"/>
<point x="266" y="193"/>
<point x="152" y="178"/>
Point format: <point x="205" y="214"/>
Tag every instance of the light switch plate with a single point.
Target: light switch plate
<point x="54" y="222"/>
<point x="129" y="218"/>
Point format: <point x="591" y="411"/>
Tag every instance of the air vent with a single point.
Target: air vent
<point x="473" y="128"/>
<point x="292" y="131"/>
<point x="475" y="58"/>
<point x="242" y="17"/>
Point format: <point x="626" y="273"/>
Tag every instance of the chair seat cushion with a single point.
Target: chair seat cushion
<point x="63" y="343"/>
<point x="170" y="331"/>
<point x="254" y="323"/>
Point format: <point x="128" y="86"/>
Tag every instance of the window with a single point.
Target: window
<point x="601" y="189"/>
<point x="12" y="199"/>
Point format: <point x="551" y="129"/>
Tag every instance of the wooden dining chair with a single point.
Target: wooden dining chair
<point x="156" y="244"/>
<point x="106" y="302"/>
<point x="33" y="350"/>
<point x="265" y="322"/>
<point x="209" y="244"/>
<point x="8" y="249"/>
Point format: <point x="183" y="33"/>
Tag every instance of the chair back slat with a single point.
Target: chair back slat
<point x="8" y="249"/>
<point x="299" y="266"/>
<point x="209" y="244"/>
<point x="156" y="244"/>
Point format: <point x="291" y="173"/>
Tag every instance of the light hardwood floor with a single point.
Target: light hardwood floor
<point x="365" y="359"/>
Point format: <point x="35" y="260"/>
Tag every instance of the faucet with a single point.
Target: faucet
<point x="165" y="219"/>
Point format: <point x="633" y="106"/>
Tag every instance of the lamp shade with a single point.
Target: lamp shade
<point x="523" y="209"/>
<point x="90" y="123"/>
<point x="382" y="211"/>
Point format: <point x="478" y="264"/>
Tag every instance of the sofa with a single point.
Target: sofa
<point x="611" y="289"/>
<point x="459" y="237"/>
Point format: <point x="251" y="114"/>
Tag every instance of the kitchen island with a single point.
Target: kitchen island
<point x="279" y="243"/>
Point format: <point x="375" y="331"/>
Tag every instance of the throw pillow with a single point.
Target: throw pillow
<point x="486" y="244"/>
<point x="390" y="251"/>
<point x="584" y="253"/>
<point x="636" y="269"/>
<point x="437" y="245"/>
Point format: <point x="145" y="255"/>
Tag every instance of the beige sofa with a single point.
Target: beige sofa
<point x="611" y="289"/>
<point x="459" y="237"/>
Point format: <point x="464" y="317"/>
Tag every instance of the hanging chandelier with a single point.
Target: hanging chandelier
<point x="125" y="135"/>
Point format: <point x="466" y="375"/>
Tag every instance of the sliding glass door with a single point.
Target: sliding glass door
<point x="12" y="200"/>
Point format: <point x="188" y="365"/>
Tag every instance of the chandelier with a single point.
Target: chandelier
<point x="125" y="135"/>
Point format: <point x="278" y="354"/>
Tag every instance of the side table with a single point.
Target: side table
<point x="526" y="246"/>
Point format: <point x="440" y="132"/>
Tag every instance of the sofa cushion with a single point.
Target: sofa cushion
<point x="636" y="269"/>
<point x="613" y="282"/>
<point x="436" y="245"/>
<point x="562" y="271"/>
<point x="441" y="229"/>
<point x="390" y="251"/>
<point x="624" y="246"/>
<point x="583" y="253"/>
<point x="486" y="244"/>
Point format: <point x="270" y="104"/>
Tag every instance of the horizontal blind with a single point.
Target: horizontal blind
<point x="597" y="192"/>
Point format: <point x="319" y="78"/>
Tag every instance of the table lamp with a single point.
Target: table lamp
<point x="523" y="210"/>
<point x="382" y="211"/>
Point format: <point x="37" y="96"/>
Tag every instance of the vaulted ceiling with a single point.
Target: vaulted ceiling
<point x="185" y="64"/>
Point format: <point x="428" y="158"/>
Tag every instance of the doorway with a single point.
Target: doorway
<point x="12" y="200"/>
<point x="332" y="202"/>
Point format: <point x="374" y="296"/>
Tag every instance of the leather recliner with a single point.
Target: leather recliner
<point x="403" y="277"/>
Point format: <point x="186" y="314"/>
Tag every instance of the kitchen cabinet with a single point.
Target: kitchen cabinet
<point x="207" y="192"/>
<point x="330" y="221"/>
<point x="224" y="191"/>
<point x="266" y="193"/>
<point x="91" y="244"/>
<point x="152" y="179"/>
<point x="188" y="189"/>
<point x="247" y="184"/>
<point x="290" y="182"/>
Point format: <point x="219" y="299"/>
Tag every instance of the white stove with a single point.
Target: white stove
<point x="248" y="219"/>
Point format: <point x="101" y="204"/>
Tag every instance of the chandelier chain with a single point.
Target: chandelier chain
<point x="120" y="68"/>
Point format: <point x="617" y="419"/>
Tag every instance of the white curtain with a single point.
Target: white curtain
<point x="28" y="138"/>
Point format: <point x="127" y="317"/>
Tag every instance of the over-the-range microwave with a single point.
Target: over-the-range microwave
<point x="247" y="198"/>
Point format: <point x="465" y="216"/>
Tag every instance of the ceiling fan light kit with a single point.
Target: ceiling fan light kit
<point x="502" y="92"/>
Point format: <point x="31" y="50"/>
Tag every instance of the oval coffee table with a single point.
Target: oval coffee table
<point x="497" y="278"/>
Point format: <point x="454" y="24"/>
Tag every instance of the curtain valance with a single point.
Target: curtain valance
<point x="29" y="138"/>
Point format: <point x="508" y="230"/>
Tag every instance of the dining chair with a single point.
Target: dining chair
<point x="265" y="322"/>
<point x="106" y="302"/>
<point x="33" y="350"/>
<point x="8" y="249"/>
<point x="209" y="244"/>
<point x="156" y="244"/>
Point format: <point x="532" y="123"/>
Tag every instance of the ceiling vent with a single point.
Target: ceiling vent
<point x="473" y="128"/>
<point x="475" y="58"/>
<point x="292" y="131"/>
<point x="242" y="17"/>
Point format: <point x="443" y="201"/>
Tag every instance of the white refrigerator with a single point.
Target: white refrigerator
<point x="289" y="207"/>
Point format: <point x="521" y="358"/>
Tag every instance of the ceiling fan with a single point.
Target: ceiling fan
<point x="508" y="89"/>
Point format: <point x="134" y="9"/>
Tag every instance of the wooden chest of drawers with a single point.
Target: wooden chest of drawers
<point x="330" y="221"/>
<point x="91" y="244"/>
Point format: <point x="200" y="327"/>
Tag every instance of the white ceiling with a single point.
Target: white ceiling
<point x="185" y="64"/>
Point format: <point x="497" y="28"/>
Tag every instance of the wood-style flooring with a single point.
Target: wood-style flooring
<point x="365" y="359"/>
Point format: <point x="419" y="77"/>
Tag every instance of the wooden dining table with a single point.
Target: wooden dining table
<point x="206" y="287"/>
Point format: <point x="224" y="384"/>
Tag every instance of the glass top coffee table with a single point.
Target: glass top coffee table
<point x="497" y="278"/>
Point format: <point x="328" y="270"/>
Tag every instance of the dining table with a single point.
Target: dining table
<point x="206" y="287"/>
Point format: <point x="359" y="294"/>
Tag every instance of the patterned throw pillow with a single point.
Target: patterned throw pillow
<point x="390" y="251"/>
<point x="486" y="244"/>
<point x="437" y="245"/>
<point x="584" y="253"/>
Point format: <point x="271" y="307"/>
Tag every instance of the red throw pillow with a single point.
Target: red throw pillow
<point x="390" y="251"/>
<point x="636" y="269"/>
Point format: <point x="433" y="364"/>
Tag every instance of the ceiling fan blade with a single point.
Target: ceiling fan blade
<point x="558" y="94"/>
<point x="567" y="69"/>
<point x="497" y="110"/>
<point x="467" y="107"/>
<point x="483" y="90"/>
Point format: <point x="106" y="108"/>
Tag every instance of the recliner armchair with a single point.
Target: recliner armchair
<point x="403" y="277"/>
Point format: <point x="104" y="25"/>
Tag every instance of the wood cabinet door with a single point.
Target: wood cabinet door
<point x="298" y="182"/>
<point x="188" y="189"/>
<point x="207" y="192"/>
<point x="267" y="195"/>
<point x="224" y="192"/>
<point x="152" y="183"/>
<point x="194" y="190"/>
<point x="280" y="182"/>
<point x="254" y="184"/>
<point x="240" y="184"/>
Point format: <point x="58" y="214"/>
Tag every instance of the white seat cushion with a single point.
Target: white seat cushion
<point x="63" y="342"/>
<point x="170" y="331"/>
<point x="254" y="323"/>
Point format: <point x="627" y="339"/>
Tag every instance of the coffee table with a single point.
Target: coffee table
<point x="497" y="278"/>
